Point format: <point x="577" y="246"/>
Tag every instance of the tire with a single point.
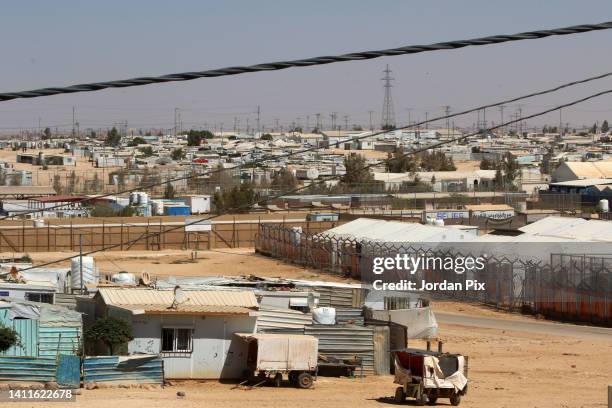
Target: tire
<point x="455" y="399"/>
<point x="278" y="380"/>
<point x="400" y="395"/>
<point x="305" y="380"/>
<point x="422" y="399"/>
<point x="432" y="399"/>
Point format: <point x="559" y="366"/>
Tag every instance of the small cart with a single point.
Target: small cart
<point x="272" y="356"/>
<point x="428" y="375"/>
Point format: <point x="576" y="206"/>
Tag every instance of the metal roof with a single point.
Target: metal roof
<point x="26" y="190"/>
<point x="161" y="299"/>
<point x="186" y="309"/>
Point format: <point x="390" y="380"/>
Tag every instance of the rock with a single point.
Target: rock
<point x="77" y="391"/>
<point x="125" y="386"/>
<point x="181" y="394"/>
<point x="4" y="387"/>
<point x="91" y="386"/>
<point x="37" y="386"/>
<point x="51" y="386"/>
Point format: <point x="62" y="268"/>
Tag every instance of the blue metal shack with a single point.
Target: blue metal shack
<point x="44" y="330"/>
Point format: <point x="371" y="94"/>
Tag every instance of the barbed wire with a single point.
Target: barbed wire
<point x="308" y="62"/>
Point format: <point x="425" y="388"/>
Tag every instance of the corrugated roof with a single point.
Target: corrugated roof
<point x="164" y="298"/>
<point x="585" y="170"/>
<point x="186" y="309"/>
<point x="26" y="190"/>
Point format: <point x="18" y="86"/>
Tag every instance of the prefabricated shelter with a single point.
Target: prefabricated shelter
<point x="193" y="331"/>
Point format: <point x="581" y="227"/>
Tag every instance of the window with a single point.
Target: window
<point x="39" y="297"/>
<point x="176" y="339"/>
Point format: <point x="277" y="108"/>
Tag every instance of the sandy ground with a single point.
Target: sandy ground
<point x="507" y="367"/>
<point x="506" y="370"/>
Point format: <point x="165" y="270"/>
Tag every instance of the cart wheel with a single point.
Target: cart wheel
<point x="305" y="380"/>
<point x="278" y="380"/>
<point x="422" y="399"/>
<point x="455" y="399"/>
<point x="400" y="395"/>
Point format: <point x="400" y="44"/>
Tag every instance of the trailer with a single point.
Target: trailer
<point x="427" y="375"/>
<point x="271" y="357"/>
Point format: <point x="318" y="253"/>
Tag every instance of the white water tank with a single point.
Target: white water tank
<point x="324" y="315"/>
<point x="124" y="278"/>
<point x="90" y="274"/>
<point x="143" y="199"/>
<point x="438" y="222"/>
<point x="604" y="206"/>
<point x="38" y="223"/>
<point x="157" y="207"/>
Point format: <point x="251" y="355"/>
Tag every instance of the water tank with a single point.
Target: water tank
<point x="438" y="222"/>
<point x="312" y="173"/>
<point x="429" y="221"/>
<point x="324" y="315"/>
<point x="157" y="207"/>
<point x="38" y="223"/>
<point x="124" y="278"/>
<point x="604" y="206"/>
<point x="90" y="275"/>
<point x="143" y="199"/>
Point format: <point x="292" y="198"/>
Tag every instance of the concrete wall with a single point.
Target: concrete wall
<point x="217" y="352"/>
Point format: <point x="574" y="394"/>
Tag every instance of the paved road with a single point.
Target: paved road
<point x="556" y="329"/>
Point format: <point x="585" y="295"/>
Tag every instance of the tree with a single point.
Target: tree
<point x="136" y="141"/>
<point x="169" y="191"/>
<point x="594" y="128"/>
<point x="113" y="138"/>
<point x="147" y="151"/>
<point x="284" y="180"/>
<point x="46" y="134"/>
<point x="177" y="154"/>
<point x="111" y="331"/>
<point x="400" y="163"/>
<point x="266" y="136"/>
<point x="238" y="199"/>
<point x="8" y="338"/>
<point x="57" y="184"/>
<point x="605" y="128"/>
<point x="486" y="164"/>
<point x="195" y="137"/>
<point x="510" y="167"/>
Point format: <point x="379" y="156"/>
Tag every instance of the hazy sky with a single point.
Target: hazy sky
<point x="57" y="43"/>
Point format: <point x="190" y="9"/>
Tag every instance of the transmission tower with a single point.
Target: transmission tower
<point x="388" y="113"/>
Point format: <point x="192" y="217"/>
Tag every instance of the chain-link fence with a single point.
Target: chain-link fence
<point x="568" y="287"/>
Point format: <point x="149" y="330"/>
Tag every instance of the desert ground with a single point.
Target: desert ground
<point x="508" y="367"/>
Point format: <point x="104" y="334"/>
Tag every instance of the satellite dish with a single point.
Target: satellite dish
<point x="180" y="297"/>
<point x="145" y="278"/>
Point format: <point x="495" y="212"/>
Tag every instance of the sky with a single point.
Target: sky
<point x="62" y="43"/>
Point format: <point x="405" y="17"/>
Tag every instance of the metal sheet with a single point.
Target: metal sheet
<point x="345" y="342"/>
<point x="54" y="340"/>
<point x="113" y="369"/>
<point x="349" y="316"/>
<point x="130" y="296"/>
<point x="28" y="369"/>
<point x="27" y="330"/>
<point x="270" y="318"/>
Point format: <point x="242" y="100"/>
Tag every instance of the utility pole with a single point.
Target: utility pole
<point x="409" y="119"/>
<point x="73" y="110"/>
<point x="501" y="111"/>
<point x="426" y="120"/>
<point x="371" y="123"/>
<point x="346" y="118"/>
<point x="276" y="128"/>
<point x="319" y="124"/>
<point x="258" y="120"/>
<point x="388" y="113"/>
<point x="175" y="130"/>
<point x="333" y="120"/>
<point x="235" y="124"/>
<point x="447" y="110"/>
<point x="307" y="123"/>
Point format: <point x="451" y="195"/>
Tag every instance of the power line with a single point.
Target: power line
<point x="308" y="62"/>
<point x="332" y="177"/>
<point x="353" y="139"/>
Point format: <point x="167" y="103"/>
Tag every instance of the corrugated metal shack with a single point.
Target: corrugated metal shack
<point x="43" y="329"/>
